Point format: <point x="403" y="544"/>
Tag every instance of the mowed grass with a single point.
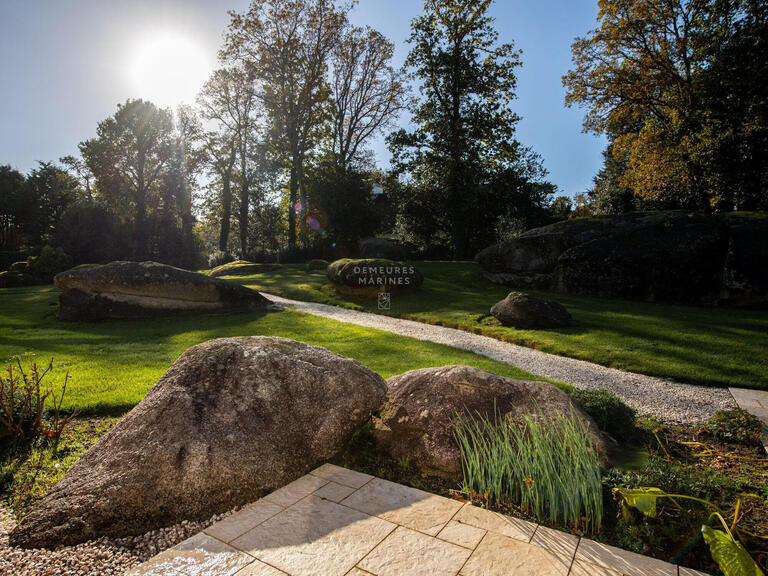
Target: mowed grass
<point x="701" y="345"/>
<point x="113" y="364"/>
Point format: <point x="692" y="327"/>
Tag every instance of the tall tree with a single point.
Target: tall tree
<point x="229" y="101"/>
<point x="11" y="191"/>
<point x="464" y="124"/>
<point x="48" y="192"/>
<point x="366" y="92"/>
<point x="678" y="86"/>
<point x="285" y="45"/>
<point x="128" y="158"/>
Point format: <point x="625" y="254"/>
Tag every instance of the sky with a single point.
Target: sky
<point x="68" y="63"/>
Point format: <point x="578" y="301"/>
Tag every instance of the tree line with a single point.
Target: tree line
<point x="274" y="160"/>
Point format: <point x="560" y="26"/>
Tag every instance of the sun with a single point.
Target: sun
<point x="169" y="69"/>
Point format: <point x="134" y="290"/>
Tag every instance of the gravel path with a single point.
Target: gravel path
<point x="664" y="399"/>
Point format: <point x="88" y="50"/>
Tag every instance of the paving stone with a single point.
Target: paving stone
<point x="315" y="536"/>
<point x="495" y="522"/>
<point x="334" y="492"/>
<point x="239" y="523"/>
<point x="406" y="552"/>
<point x="581" y="568"/>
<point x="351" y="478"/>
<point x="296" y="490"/>
<point x="358" y="572"/>
<point x="461" y="534"/>
<point x="561" y="543"/>
<point x="402" y="505"/>
<point x="624" y="561"/>
<point x="257" y="568"/>
<point x="499" y="555"/>
<point x="199" y="555"/>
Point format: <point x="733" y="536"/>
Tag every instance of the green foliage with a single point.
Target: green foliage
<point x="608" y="411"/>
<point x="735" y="426"/>
<point x="92" y="234"/>
<point x="49" y="262"/>
<point x="730" y="555"/>
<point x="23" y="415"/>
<point x="219" y="258"/>
<point x="547" y="466"/>
<point x="317" y="264"/>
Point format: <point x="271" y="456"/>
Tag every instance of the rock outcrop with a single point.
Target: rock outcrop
<point x="232" y="419"/>
<point x="526" y="311"/>
<point x="662" y="256"/>
<point x="419" y="417"/>
<point x="141" y="289"/>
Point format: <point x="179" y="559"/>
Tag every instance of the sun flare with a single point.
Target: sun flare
<point x="169" y="69"/>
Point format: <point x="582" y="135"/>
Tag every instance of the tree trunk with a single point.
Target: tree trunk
<point x="292" y="198"/>
<point x="226" y="211"/>
<point x="244" y="200"/>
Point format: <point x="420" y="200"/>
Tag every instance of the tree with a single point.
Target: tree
<point x="48" y="192"/>
<point x="464" y="124"/>
<point x="366" y="93"/>
<point x="679" y="87"/>
<point x="128" y="159"/>
<point x="228" y="100"/>
<point x="11" y="190"/>
<point x="284" y="46"/>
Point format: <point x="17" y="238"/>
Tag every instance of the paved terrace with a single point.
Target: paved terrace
<point x="338" y="522"/>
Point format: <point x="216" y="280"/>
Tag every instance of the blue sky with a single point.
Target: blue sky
<point x="67" y="64"/>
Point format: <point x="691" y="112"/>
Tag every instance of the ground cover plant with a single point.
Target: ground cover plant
<point x="700" y="345"/>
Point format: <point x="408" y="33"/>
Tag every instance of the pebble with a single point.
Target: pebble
<point x="102" y="557"/>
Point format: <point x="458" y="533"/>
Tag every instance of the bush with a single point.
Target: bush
<point x="23" y="415"/>
<point x="92" y="234"/>
<point x="735" y="426"/>
<point x="219" y="257"/>
<point x="547" y="466"/>
<point x="317" y="264"/>
<point x="48" y="263"/>
<point x="608" y="411"/>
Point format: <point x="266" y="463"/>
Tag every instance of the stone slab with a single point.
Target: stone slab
<point x="499" y="555"/>
<point x="628" y="563"/>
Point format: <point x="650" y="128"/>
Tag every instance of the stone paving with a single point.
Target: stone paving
<point x="338" y="522"/>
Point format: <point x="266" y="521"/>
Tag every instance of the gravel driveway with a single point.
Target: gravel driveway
<point x="666" y="400"/>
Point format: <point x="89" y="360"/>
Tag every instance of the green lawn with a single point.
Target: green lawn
<point x="707" y="346"/>
<point x="113" y="364"/>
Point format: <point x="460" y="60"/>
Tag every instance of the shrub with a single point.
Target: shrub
<point x="48" y="263"/>
<point x="92" y="234"/>
<point x="547" y="466"/>
<point x="23" y="415"/>
<point x="735" y="426"/>
<point x="317" y="264"/>
<point x="219" y="257"/>
<point x="608" y="411"/>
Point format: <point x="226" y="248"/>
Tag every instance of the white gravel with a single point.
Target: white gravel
<point x="666" y="400"/>
<point x="102" y="557"/>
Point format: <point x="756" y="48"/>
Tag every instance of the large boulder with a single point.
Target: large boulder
<point x="232" y="419"/>
<point x="139" y="289"/>
<point x="662" y="256"/>
<point x="368" y="276"/>
<point x="526" y="311"/>
<point x="418" y="419"/>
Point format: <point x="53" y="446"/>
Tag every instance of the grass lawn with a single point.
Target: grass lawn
<point x="700" y="345"/>
<point x="113" y="364"/>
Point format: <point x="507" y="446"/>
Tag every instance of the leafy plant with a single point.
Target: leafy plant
<point x="23" y="415"/>
<point x="730" y="555"/>
<point x="736" y="426"/>
<point x="608" y="411"/>
<point x="219" y="257"/>
<point x="548" y="466"/>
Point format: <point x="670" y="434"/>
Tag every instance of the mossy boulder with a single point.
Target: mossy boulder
<point x="372" y="275"/>
<point x="661" y="256"/>
<point x="317" y="264"/>
<point x="242" y="268"/>
<point x="143" y="289"/>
